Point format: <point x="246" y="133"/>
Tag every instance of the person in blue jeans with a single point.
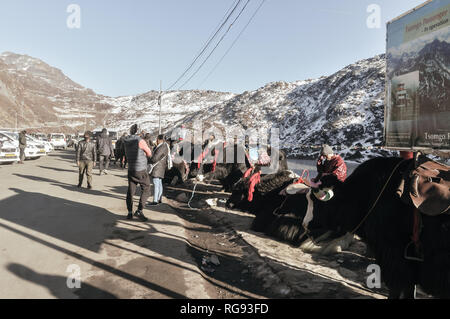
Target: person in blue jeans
<point x="159" y="160"/>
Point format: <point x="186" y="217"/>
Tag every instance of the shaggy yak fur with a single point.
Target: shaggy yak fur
<point x="265" y="196"/>
<point x="227" y="172"/>
<point x="387" y="230"/>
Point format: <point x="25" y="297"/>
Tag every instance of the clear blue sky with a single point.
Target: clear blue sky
<point x="126" y="47"/>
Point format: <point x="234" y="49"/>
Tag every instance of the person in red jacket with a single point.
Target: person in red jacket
<point x="330" y="163"/>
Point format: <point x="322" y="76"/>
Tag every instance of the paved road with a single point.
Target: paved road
<point x="48" y="226"/>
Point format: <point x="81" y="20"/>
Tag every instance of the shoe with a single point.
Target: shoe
<point x="105" y="172"/>
<point x="140" y="215"/>
<point x="153" y="204"/>
<point x="160" y="201"/>
<point x="79" y="185"/>
<point x="130" y="215"/>
<point x="20" y="162"/>
<point x="89" y="187"/>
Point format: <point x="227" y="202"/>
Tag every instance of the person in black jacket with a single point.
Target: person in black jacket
<point x="120" y="151"/>
<point x="159" y="162"/>
<point x="86" y="158"/>
<point x="22" y="145"/>
<point x="105" y="150"/>
<point x="137" y="152"/>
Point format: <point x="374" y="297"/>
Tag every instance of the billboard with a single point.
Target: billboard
<point x="417" y="108"/>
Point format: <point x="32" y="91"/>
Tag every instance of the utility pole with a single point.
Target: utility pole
<point x="160" y="103"/>
<point x="85" y="118"/>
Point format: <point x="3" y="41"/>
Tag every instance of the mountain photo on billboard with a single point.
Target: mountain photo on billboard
<point x="430" y="56"/>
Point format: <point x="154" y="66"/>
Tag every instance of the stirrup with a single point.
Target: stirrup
<point x="419" y="256"/>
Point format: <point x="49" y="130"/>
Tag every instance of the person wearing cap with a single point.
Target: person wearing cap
<point x="86" y="158"/>
<point x="330" y="164"/>
<point x="137" y="152"/>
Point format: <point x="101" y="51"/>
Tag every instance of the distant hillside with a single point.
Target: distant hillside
<point x="344" y="109"/>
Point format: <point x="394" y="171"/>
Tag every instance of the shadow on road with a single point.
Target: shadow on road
<point x="71" y="187"/>
<point x="60" y="169"/>
<point x="57" y="285"/>
<point x="77" y="223"/>
<point x="92" y="227"/>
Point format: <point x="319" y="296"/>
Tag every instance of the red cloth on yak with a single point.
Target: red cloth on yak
<point x="254" y="180"/>
<point x="248" y="172"/>
<point x="303" y="179"/>
<point x="203" y="155"/>
<point x="200" y="159"/>
<point x="335" y="166"/>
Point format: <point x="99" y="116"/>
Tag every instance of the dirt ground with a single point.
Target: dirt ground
<point x="264" y="266"/>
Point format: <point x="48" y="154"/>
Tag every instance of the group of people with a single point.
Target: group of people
<point x="87" y="153"/>
<point x="148" y="160"/>
<point x="144" y="160"/>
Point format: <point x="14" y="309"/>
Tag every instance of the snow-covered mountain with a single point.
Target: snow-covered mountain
<point x="344" y="109"/>
<point x="433" y="63"/>
<point x="35" y="94"/>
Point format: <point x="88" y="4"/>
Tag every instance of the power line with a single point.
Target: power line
<point x="205" y="47"/>
<point x="214" y="33"/>
<point x="232" y="45"/>
<point x="223" y="36"/>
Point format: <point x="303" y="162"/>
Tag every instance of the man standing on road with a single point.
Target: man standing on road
<point x="86" y="158"/>
<point x="22" y="145"/>
<point x="159" y="162"/>
<point x="105" y="149"/>
<point x="137" y="151"/>
<point x="119" y="151"/>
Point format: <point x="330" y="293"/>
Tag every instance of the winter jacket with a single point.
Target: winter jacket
<point x="22" y="140"/>
<point x="137" y="151"/>
<point x="119" y="144"/>
<point x="86" y="151"/>
<point x="160" y="157"/>
<point x="335" y="166"/>
<point x="104" y="145"/>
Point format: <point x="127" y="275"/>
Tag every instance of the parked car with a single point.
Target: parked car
<point x="40" y="144"/>
<point x="72" y="141"/>
<point x="40" y="136"/>
<point x="33" y="149"/>
<point x="9" y="152"/>
<point x="58" y="140"/>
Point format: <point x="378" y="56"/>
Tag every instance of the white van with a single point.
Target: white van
<point x="58" y="140"/>
<point x="9" y="153"/>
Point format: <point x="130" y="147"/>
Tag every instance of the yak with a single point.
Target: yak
<point x="266" y="194"/>
<point x="229" y="172"/>
<point x="277" y="215"/>
<point x="367" y="205"/>
<point x="226" y="171"/>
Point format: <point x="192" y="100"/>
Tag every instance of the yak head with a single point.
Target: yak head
<point x="238" y="195"/>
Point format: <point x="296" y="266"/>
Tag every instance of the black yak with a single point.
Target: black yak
<point x="388" y="229"/>
<point x="266" y="192"/>
<point x="230" y="166"/>
<point x="231" y="170"/>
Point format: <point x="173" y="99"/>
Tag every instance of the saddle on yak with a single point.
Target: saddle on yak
<point x="426" y="186"/>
